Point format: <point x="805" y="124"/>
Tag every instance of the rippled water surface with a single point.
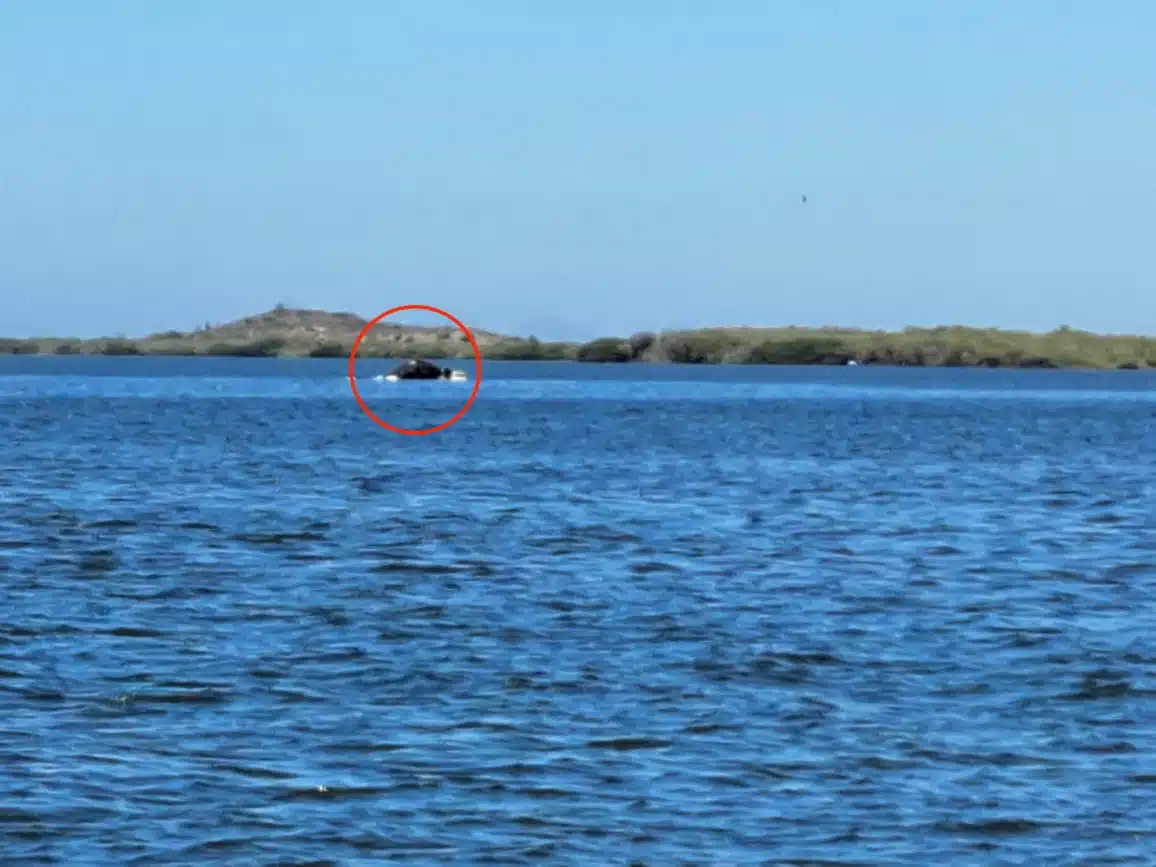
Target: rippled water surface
<point x="613" y="616"/>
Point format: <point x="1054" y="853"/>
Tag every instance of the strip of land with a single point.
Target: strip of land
<point x="296" y="333"/>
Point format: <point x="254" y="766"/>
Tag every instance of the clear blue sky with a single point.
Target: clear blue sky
<point x="579" y="168"/>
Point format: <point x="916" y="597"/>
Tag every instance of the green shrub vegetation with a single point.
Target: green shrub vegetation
<point x="319" y="334"/>
<point x="924" y="347"/>
<point x="411" y="349"/>
<point x="267" y="347"/>
<point x="606" y="349"/>
<point x="330" y="350"/>
<point x="175" y="347"/>
<point x="15" y="346"/>
<point x="118" y="346"/>
<point x="530" y="349"/>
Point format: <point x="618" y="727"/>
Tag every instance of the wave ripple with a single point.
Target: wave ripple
<point x="886" y="628"/>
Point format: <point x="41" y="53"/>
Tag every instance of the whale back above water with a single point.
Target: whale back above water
<point x="416" y="368"/>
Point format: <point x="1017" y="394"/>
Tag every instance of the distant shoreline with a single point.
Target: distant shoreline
<point x="290" y="333"/>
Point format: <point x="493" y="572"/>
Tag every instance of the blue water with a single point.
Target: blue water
<point x="616" y="615"/>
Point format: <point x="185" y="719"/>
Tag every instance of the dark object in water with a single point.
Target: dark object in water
<point x="421" y="369"/>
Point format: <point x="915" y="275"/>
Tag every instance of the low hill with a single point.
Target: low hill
<point x="299" y="333"/>
<point x="321" y="334"/>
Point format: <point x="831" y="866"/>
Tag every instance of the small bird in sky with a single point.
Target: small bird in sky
<point x="804" y="199"/>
